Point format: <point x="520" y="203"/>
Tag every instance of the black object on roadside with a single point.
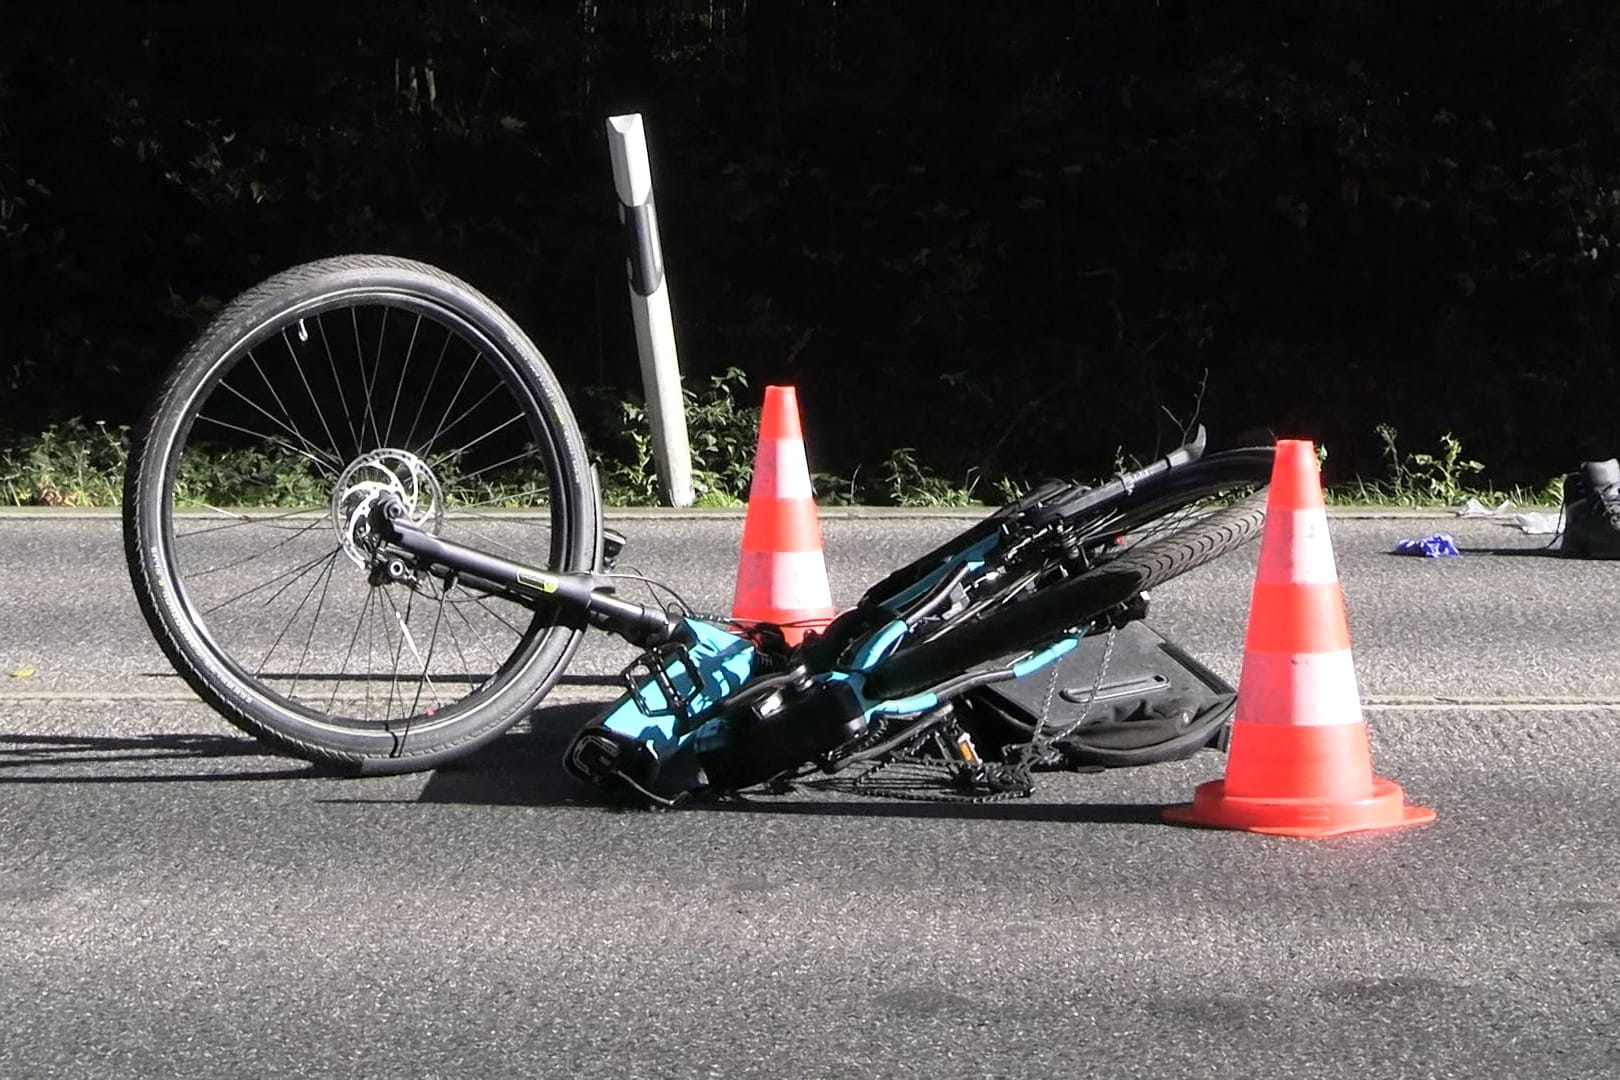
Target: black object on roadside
<point x="1592" y="510"/>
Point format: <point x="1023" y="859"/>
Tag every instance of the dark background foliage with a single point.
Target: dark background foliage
<point x="1015" y="237"/>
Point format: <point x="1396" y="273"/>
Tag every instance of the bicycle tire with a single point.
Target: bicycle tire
<point x="1041" y="613"/>
<point x="1158" y="500"/>
<point x="309" y="435"/>
<point x="1130" y="517"/>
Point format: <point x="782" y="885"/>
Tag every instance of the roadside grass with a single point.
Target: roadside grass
<point x="1445" y="478"/>
<point x="1383" y="494"/>
<point x="78" y="463"/>
<point x="70" y="464"/>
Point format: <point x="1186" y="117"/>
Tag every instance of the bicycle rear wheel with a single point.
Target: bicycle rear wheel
<point x="1172" y="501"/>
<point x="248" y="490"/>
<point x="1090" y="565"/>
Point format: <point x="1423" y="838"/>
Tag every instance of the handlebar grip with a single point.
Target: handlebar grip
<point x="1182" y="455"/>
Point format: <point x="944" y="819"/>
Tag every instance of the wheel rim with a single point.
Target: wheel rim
<point x="311" y="416"/>
<point x="1126" y="527"/>
<point x="1172" y="511"/>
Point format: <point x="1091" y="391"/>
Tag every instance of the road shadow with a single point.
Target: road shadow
<point x="1507" y="552"/>
<point x="132" y="758"/>
<point x="521" y="768"/>
<point x="467" y="679"/>
<point x="1012" y="810"/>
<point x="524" y="768"/>
<point x="615" y="681"/>
<point x="1517" y="552"/>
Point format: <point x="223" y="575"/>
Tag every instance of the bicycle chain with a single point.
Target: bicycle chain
<point x="1017" y="780"/>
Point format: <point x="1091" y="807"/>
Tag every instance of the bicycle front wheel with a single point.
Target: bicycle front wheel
<point x="249" y="485"/>
<point x="1161" y="530"/>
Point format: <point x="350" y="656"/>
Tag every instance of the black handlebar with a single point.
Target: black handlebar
<point x="579" y="598"/>
<point x="1185" y="454"/>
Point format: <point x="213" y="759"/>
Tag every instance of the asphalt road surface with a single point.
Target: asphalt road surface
<point x="173" y="902"/>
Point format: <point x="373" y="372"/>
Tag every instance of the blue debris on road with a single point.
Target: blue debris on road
<point x="1438" y="546"/>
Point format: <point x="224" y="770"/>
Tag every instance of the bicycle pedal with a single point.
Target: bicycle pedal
<point x="658" y="667"/>
<point x="613" y="542"/>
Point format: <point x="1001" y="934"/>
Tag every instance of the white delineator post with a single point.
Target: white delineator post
<point x="649" y="304"/>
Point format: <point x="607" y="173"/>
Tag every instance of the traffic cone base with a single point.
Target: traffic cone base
<point x="781" y="572"/>
<point x="1308" y="780"/>
<point x="1298" y="762"/>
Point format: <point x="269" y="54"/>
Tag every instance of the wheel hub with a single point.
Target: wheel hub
<point x="368" y="477"/>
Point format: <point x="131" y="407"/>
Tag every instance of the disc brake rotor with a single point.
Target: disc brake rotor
<point x="369" y="477"/>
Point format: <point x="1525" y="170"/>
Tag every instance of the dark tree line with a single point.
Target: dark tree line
<point x="1014" y="237"/>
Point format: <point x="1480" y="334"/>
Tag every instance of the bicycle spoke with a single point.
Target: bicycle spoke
<point x="473" y="534"/>
<point x="309" y="639"/>
<point x="294" y="576"/>
<point x="324" y="575"/>
<point x="399" y="383"/>
<point x="371" y="639"/>
<point x="452" y="454"/>
<point x="330" y="468"/>
<point x="455" y="641"/>
<point x="320" y="413"/>
<point x="239" y="521"/>
<point x="290" y="425"/>
<point x="427" y="663"/>
<point x="483" y="604"/>
<point x="343" y="668"/>
<point x="450" y="406"/>
<point x="376" y="368"/>
<point x="337" y="380"/>
<point x="427" y="393"/>
<point x="365" y="383"/>
<point x="398" y="650"/>
<point x="292" y="535"/>
<point x="464" y="479"/>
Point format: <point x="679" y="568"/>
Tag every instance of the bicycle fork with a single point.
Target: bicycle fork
<point x="581" y="599"/>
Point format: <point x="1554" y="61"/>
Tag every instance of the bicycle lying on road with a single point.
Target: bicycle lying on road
<point x="387" y="616"/>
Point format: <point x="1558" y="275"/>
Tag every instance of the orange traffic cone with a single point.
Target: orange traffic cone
<point x="1298" y="763"/>
<point x="782" y="575"/>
